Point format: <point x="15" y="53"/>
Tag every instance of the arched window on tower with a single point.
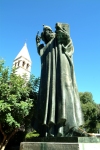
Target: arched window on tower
<point x="27" y="66"/>
<point x="23" y="64"/>
<point x="18" y="63"/>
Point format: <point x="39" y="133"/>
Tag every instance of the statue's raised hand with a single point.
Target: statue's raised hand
<point x="38" y="38"/>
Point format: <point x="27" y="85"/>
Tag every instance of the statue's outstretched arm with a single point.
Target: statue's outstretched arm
<point x="39" y="46"/>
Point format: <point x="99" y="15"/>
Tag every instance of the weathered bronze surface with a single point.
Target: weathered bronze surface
<point x="58" y="108"/>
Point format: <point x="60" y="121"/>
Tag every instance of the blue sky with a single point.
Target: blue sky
<point x="21" y="19"/>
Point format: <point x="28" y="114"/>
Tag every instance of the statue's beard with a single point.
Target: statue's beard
<point x="49" y="36"/>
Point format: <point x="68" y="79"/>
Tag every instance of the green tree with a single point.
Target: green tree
<point x="90" y="112"/>
<point x="16" y="103"/>
<point x="98" y="117"/>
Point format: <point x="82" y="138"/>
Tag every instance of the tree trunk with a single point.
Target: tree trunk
<point x="3" y="147"/>
<point x="6" y="139"/>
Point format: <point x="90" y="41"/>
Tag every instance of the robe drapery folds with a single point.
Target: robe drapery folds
<point x="58" y="102"/>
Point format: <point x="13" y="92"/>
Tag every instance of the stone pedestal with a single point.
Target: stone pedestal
<point x="66" y="143"/>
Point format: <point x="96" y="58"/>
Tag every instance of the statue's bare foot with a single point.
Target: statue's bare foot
<point x="78" y="132"/>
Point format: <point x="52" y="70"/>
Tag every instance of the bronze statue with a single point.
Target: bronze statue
<point x="58" y="109"/>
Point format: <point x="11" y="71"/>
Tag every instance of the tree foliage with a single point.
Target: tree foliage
<point x="90" y="112"/>
<point x="29" y="136"/>
<point x="16" y="102"/>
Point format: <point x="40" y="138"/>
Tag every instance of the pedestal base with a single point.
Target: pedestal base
<point x="68" y="143"/>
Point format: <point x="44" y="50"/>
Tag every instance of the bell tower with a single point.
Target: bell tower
<point x="23" y="62"/>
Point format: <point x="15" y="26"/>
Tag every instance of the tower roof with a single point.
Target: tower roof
<point x="24" y="53"/>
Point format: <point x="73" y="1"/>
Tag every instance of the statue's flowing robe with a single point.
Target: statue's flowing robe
<point x="58" y="102"/>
